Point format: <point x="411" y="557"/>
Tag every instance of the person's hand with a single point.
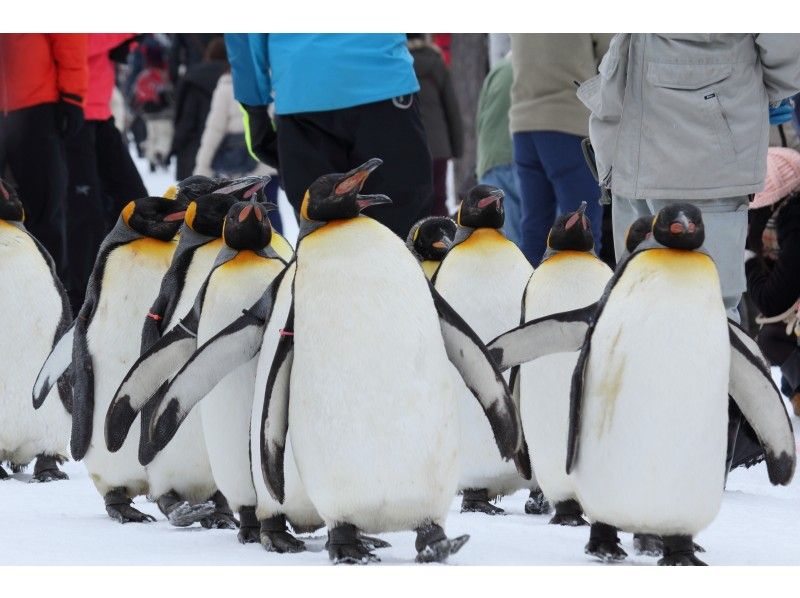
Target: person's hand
<point x="260" y="135"/>
<point x="780" y="113"/>
<point x="69" y="118"/>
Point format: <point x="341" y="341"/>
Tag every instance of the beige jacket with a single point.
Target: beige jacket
<point x="224" y="116"/>
<point x="685" y="115"/>
<point x="546" y="67"/>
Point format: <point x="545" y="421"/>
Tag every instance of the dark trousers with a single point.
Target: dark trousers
<point x="316" y="143"/>
<point x="439" y="205"/>
<point x="33" y="151"/>
<point x="102" y="180"/>
<point x="553" y="179"/>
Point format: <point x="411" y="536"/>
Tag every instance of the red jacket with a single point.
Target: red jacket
<point x="101" y="74"/>
<point x="40" y="68"/>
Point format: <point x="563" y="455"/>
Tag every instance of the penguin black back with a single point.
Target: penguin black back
<point x="247" y="226"/>
<point x="430" y="238"/>
<point x="154" y="217"/>
<point x="10" y="206"/>
<point x="640" y="230"/>
<point x="679" y="226"/>
<point x="337" y="196"/>
<point x="482" y="208"/>
<point x="571" y="231"/>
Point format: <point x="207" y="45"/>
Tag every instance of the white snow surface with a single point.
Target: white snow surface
<point x="64" y="523"/>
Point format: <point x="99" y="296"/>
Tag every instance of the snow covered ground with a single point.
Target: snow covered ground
<point x="64" y="523"/>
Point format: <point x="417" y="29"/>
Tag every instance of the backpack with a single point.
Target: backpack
<point x="152" y="90"/>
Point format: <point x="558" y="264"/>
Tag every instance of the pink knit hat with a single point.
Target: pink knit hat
<point x="783" y="176"/>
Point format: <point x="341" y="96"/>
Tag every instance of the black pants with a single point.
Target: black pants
<point x="32" y="149"/>
<point x="316" y="143"/>
<point x="102" y="180"/>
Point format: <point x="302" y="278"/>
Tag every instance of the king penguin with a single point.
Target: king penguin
<point x="649" y="396"/>
<point x="569" y="277"/>
<point x="483" y="278"/>
<point x="37" y="314"/>
<point x="360" y="379"/>
<point x="103" y="343"/>
<point x="429" y="240"/>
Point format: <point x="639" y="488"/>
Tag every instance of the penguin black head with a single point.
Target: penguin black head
<point x="482" y="208"/>
<point x="10" y="206"/>
<point x="572" y="232"/>
<point x="154" y="217"/>
<point x="679" y="226"/>
<point x="641" y="229"/>
<point x="206" y="214"/>
<point x="336" y="196"/>
<point x="431" y="238"/>
<point x="247" y="226"/>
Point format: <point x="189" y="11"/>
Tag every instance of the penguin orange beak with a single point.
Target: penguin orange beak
<point x="440" y="245"/>
<point x="175" y="216"/>
<point x="577" y="215"/>
<point x="493" y="198"/>
<point x="681" y="225"/>
<point x="356" y="178"/>
<point x="251" y="185"/>
<point x="365" y="201"/>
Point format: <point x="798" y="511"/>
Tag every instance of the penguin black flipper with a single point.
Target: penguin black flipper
<point x="563" y="332"/>
<point x="275" y="415"/>
<point x="55" y="367"/>
<point x="143" y="380"/>
<point x="233" y="346"/>
<point x="469" y="355"/>
<point x="82" y="381"/>
<point x="760" y="401"/>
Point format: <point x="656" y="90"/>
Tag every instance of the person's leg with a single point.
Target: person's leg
<point x="392" y="131"/>
<point x="307" y="150"/>
<point x="503" y="177"/>
<point x="35" y="156"/>
<point x="85" y="212"/>
<point x="570" y="177"/>
<point x="439" y="168"/>
<point x="538" y="200"/>
<point x="119" y="177"/>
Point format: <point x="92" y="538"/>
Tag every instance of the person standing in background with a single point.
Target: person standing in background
<point x="495" y="165"/>
<point x="187" y="50"/>
<point x="548" y="123"/>
<point x="441" y="117"/>
<point x="192" y="103"/>
<point x="340" y="99"/>
<point x="43" y="82"/>
<point x="102" y="175"/>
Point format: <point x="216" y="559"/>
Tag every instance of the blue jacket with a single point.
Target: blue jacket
<point x="312" y="72"/>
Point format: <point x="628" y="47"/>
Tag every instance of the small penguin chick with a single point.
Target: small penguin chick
<point x="247" y="226"/>
<point x="482" y="208"/>
<point x="571" y="231"/>
<point x="154" y="217"/>
<point x="337" y="196"/>
<point x="679" y="226"/>
<point x="11" y="208"/>
<point x="206" y="214"/>
<point x="641" y="229"/>
<point x="431" y="238"/>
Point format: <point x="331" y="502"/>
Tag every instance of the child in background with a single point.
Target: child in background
<point x="153" y="102"/>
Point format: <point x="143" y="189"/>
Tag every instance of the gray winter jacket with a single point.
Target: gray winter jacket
<point x="685" y="116"/>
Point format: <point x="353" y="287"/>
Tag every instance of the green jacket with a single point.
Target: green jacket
<point x="494" y="138"/>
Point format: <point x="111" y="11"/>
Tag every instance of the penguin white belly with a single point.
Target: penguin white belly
<point x="483" y="279"/>
<point x="226" y="410"/>
<point x="372" y="411"/>
<point x="183" y="464"/>
<point x="297" y="506"/>
<point x="32" y="307"/>
<point x="131" y="279"/>
<point x="651" y="453"/>
<point x="566" y="281"/>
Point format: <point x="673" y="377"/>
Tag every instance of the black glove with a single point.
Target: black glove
<point x="69" y="118"/>
<point x="120" y="53"/>
<point x="787" y="224"/>
<point x="757" y="222"/>
<point x="262" y="140"/>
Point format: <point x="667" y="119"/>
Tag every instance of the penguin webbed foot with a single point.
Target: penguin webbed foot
<point x="537" y="504"/>
<point x="604" y="544"/>
<point x="127" y="514"/>
<point x="183" y="514"/>
<point x="249" y="527"/>
<point x="220" y="520"/>
<point x="679" y="552"/>
<point x="648" y="545"/>
<point x="275" y="536"/>
<point x="345" y="547"/>
<point x="373" y="543"/>
<point x="46" y="470"/>
<point x="433" y="546"/>
<point x="568" y="513"/>
<point x="3" y="474"/>
<point x="477" y="501"/>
